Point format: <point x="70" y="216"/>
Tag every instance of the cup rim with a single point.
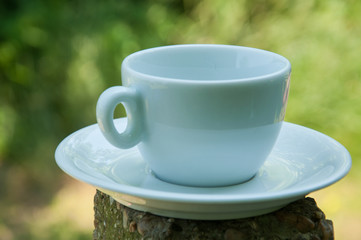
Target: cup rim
<point x="260" y="78"/>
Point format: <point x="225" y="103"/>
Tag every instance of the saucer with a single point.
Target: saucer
<point x="302" y="161"/>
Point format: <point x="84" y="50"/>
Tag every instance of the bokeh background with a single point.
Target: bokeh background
<point x="56" y="57"/>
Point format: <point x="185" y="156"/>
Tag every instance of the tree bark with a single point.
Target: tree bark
<point x="300" y="220"/>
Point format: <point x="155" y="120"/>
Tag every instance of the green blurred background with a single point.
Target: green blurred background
<point x="56" y="57"/>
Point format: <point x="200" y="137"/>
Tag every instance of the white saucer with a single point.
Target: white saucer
<point x="303" y="160"/>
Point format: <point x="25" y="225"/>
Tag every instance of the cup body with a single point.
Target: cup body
<point x="209" y="114"/>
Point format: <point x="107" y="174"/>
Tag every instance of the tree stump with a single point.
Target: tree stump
<point x="300" y="220"/>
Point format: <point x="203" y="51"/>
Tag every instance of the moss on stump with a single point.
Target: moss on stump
<point x="300" y="220"/>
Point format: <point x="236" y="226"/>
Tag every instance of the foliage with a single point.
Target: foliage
<point x="56" y="57"/>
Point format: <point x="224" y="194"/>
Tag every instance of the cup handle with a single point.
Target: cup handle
<point x="106" y="105"/>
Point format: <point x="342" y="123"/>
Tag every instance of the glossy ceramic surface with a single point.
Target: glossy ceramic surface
<point x="302" y="161"/>
<point x="203" y="115"/>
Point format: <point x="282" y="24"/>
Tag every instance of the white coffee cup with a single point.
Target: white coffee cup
<point x="201" y="115"/>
